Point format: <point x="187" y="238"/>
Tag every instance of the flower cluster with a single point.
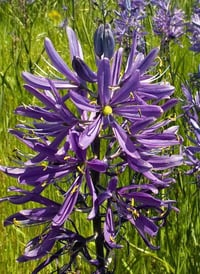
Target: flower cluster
<point x="168" y="22"/>
<point x="194" y="30"/>
<point x="129" y="19"/>
<point x="89" y="131"/>
<point x="191" y="113"/>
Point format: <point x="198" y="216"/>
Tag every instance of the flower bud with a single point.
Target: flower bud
<point x="83" y="70"/>
<point x="104" y="43"/>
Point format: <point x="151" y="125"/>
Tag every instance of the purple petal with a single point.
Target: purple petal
<point x="103" y="79"/>
<point x="109" y="230"/>
<point x="43" y="83"/>
<point x="82" y="102"/>
<point x="155" y="91"/>
<point x="116" y="67"/>
<point x="90" y="133"/>
<point x="141" y="125"/>
<point x="40" y="214"/>
<point x="74" y="45"/>
<point x="48" y="101"/>
<point x="157" y="140"/>
<point x="90" y="184"/>
<point x="20" y="220"/>
<point x="145" y="226"/>
<point x="112" y="184"/>
<point x="12" y="171"/>
<point x="125" y="143"/>
<point x="38" y="247"/>
<point x="69" y="203"/>
<point x="97" y="165"/>
<point x="149" y="187"/>
<point x="133" y="111"/>
<point x="83" y="71"/>
<point x="169" y="104"/>
<point x="38" y="174"/>
<point x="130" y="85"/>
<point x="148" y="61"/>
<point x="58" y="62"/>
<point x="74" y="139"/>
<point x="27" y="196"/>
<point x="139" y="165"/>
<point x="164" y="162"/>
<point x="144" y="199"/>
<point x="130" y="62"/>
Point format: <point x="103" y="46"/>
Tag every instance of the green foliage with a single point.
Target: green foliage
<point x="23" y="29"/>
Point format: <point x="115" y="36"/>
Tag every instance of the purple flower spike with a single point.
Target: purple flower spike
<point x="168" y="23"/>
<point x="191" y="109"/>
<point x="88" y="131"/>
<point x="194" y="30"/>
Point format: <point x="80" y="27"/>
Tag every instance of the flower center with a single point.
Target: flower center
<point x="107" y="110"/>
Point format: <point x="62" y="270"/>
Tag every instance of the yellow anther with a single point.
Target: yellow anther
<point x="173" y="118"/>
<point x="16" y="222"/>
<point x="136" y="213"/>
<point x="114" y="88"/>
<point x="93" y="102"/>
<point x="66" y="158"/>
<point x="74" y="189"/>
<point x="80" y="170"/>
<point x="44" y="184"/>
<point x="132" y="95"/>
<point x="132" y="202"/>
<point x="132" y="209"/>
<point x="112" y="239"/>
<point x="107" y="110"/>
<point x="45" y="166"/>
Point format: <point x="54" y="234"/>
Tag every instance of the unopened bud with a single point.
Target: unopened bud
<point x="104" y="43"/>
<point x="83" y="71"/>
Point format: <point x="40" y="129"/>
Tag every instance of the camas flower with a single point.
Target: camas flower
<point x="191" y="113"/>
<point x="116" y="107"/>
<point x="167" y="22"/>
<point x="131" y="203"/>
<point x="128" y="20"/>
<point x="194" y="30"/>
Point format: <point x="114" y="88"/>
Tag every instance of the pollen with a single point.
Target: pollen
<point x="107" y="110"/>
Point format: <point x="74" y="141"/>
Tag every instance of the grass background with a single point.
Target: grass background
<point x="23" y="29"/>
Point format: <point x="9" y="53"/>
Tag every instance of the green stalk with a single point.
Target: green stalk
<point x="97" y="220"/>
